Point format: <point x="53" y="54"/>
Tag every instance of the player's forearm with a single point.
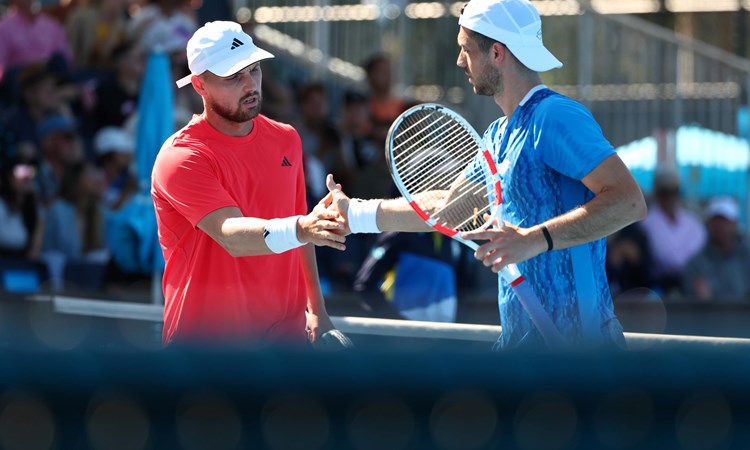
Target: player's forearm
<point x="397" y="215"/>
<point x="243" y="236"/>
<point x="605" y="214"/>
<point x="315" y="302"/>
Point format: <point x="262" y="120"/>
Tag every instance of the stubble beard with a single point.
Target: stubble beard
<point x="239" y="114"/>
<point x="490" y="84"/>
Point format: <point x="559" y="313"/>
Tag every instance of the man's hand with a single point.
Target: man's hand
<point x="317" y="324"/>
<point x="339" y="202"/>
<point x="323" y="226"/>
<point x="508" y="244"/>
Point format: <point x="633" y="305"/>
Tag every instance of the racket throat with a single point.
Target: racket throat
<point x="517" y="281"/>
<point x="512" y="275"/>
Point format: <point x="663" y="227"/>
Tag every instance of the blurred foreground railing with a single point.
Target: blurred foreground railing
<point x="67" y="394"/>
<point x="385" y="328"/>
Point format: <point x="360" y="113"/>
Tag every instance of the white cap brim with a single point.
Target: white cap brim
<point x="229" y="66"/>
<point x="536" y="58"/>
<point x="184" y="81"/>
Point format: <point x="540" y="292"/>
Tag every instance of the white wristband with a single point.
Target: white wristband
<point x="281" y="234"/>
<point x="362" y="216"/>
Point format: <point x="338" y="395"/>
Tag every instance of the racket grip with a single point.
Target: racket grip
<point x="536" y="312"/>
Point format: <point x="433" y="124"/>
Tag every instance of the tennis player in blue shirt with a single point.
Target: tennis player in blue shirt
<point x="564" y="187"/>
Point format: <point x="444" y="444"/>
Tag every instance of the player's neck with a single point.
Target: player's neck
<point x="227" y="127"/>
<point x="514" y="91"/>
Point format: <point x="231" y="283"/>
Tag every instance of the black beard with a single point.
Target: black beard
<point x="237" y="115"/>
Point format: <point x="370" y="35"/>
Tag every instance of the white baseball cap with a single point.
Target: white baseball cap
<point x="113" y="139"/>
<point x="222" y="48"/>
<point x="515" y="23"/>
<point x="725" y="207"/>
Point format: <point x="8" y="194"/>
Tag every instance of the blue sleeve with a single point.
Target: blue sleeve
<point x="569" y="139"/>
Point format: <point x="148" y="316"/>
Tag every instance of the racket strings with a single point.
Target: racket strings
<point x="447" y="166"/>
<point x="465" y="211"/>
<point x="429" y="134"/>
<point x="430" y="151"/>
<point x="452" y="151"/>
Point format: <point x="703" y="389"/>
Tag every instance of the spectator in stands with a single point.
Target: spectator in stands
<point x="27" y="35"/>
<point x="278" y="100"/>
<point x="60" y="147"/>
<point x="384" y="105"/>
<point x="674" y="234"/>
<point x="39" y="96"/>
<point x="417" y="276"/>
<point x="364" y="170"/>
<point x="358" y="151"/>
<point x="720" y="271"/>
<point x="320" y="139"/>
<point x="116" y="100"/>
<point x="95" y="29"/>
<point x="166" y="26"/>
<point x="321" y="147"/>
<point x="74" y="230"/>
<point x="20" y="219"/>
<point x="114" y="149"/>
<point x="77" y="205"/>
<point x="363" y="155"/>
<point x="628" y="260"/>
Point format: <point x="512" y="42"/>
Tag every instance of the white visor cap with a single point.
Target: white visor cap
<point x="223" y="49"/>
<point x="515" y="23"/>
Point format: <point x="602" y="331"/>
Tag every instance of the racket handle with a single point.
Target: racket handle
<point x="533" y="307"/>
<point x="529" y="301"/>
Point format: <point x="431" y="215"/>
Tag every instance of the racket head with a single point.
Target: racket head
<point x="333" y="341"/>
<point x="438" y="163"/>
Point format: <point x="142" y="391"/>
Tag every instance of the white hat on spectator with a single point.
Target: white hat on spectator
<point x="725" y="207"/>
<point x="222" y="48"/>
<point x="163" y="36"/>
<point x="113" y="139"/>
<point x="514" y="23"/>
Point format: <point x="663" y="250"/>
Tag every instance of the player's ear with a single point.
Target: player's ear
<point x="499" y="53"/>
<point x="197" y="83"/>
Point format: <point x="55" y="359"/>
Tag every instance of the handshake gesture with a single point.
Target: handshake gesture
<point x="327" y="224"/>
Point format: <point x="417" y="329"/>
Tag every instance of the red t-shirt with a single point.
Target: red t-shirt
<point x="209" y="294"/>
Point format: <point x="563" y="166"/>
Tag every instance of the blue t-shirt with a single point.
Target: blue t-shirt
<point x="549" y="144"/>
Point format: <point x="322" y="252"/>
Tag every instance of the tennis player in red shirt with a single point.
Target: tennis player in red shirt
<point x="229" y="193"/>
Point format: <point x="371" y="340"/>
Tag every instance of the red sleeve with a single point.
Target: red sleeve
<point x="187" y="179"/>
<point x="301" y="206"/>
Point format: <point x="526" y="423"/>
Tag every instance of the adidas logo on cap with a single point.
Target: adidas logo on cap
<point x="236" y="43"/>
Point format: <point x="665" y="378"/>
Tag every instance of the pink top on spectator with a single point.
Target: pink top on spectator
<point x="672" y="243"/>
<point x="26" y="39"/>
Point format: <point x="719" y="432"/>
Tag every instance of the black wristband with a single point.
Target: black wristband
<point x="547" y="237"/>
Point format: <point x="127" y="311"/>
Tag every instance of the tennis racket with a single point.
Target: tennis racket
<point x="438" y="163"/>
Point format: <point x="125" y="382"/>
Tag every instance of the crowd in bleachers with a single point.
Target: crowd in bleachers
<point x="679" y="253"/>
<point x="70" y="86"/>
<point x="70" y="75"/>
<point x="69" y="100"/>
